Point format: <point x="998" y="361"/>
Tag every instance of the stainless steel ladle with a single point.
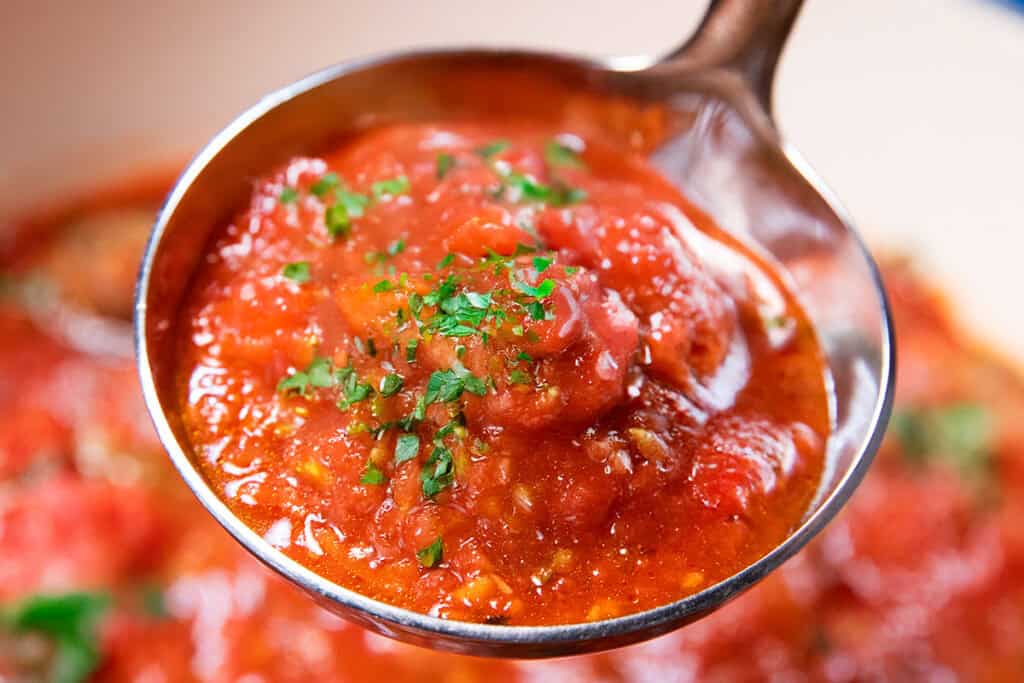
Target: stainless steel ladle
<point x="711" y="100"/>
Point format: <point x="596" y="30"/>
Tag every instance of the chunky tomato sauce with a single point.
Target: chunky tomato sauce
<point x="920" y="578"/>
<point x="494" y="373"/>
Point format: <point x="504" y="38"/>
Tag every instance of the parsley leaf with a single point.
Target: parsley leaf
<point x="324" y="185"/>
<point x="288" y="195"/>
<point x="391" y="187"/>
<point x="407" y="447"/>
<point x="432" y="555"/>
<point x="445" y="163"/>
<point x="372" y="475"/>
<point x="297" y="271"/>
<point x="520" y="377"/>
<point x="354" y="203"/>
<point x="396" y="247"/>
<point x="446" y="261"/>
<point x="70" y="621"/>
<point x="319" y="374"/>
<point x="391" y="385"/>
<point x="444" y="386"/>
<point x="353" y="391"/>
<point x="959" y="434"/>
<point x="337" y="220"/>
<point x="541" y="291"/>
<point x="541" y="263"/>
<point x="536" y="310"/>
<point x="492" y="149"/>
<point x="557" y="154"/>
<point x="410" y="350"/>
<point x="438" y="472"/>
<point x="475" y="385"/>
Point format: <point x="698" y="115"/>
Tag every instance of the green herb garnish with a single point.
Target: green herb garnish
<point x="959" y="434"/>
<point x="319" y="374"/>
<point x="390" y="188"/>
<point x="288" y="195"/>
<point x="391" y="385"/>
<point x="432" y="555"/>
<point x="297" y="271"/>
<point x="444" y="386"/>
<point x="445" y="163"/>
<point x="438" y="472"/>
<point x="324" y="185"/>
<point x="407" y="447"/>
<point x="558" y="155"/>
<point x="492" y="149"/>
<point x="372" y="475"/>
<point x="70" y="621"/>
<point x="410" y="350"/>
<point x="353" y="391"/>
<point x="519" y="377"/>
<point x="541" y="291"/>
<point x="337" y="221"/>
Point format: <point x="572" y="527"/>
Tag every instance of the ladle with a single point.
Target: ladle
<point x="706" y="111"/>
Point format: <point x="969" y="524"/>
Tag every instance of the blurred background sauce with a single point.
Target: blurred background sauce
<point x="911" y="109"/>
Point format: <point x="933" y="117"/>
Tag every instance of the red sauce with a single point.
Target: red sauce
<point x="920" y="578"/>
<point x="492" y="372"/>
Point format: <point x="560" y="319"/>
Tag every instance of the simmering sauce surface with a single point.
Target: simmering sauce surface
<point x="499" y="373"/>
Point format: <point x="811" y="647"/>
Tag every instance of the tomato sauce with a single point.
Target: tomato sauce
<point x="921" y="577"/>
<point x="499" y="373"/>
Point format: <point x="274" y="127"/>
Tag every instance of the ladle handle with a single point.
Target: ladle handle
<point x="742" y="36"/>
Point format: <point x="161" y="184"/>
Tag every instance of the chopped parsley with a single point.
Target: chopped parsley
<point x="523" y="355"/>
<point x="297" y="271"/>
<point x="432" y="555"/>
<point x="541" y="263"/>
<point x="70" y="621"/>
<point x="372" y="475"/>
<point x="396" y="247"/>
<point x="572" y="270"/>
<point x="407" y="447"/>
<point x="338" y="221"/>
<point x="558" y="155"/>
<point x="353" y="391"/>
<point x="536" y="310"/>
<point x="288" y="195"/>
<point x="445" y="163"/>
<point x="354" y="203"/>
<point x="324" y="185"/>
<point x="383" y="286"/>
<point x="492" y="149"/>
<point x="446" y="261"/>
<point x="541" y="291"/>
<point x="519" y="377"/>
<point x="410" y="350"/>
<point x="391" y="385"/>
<point x="438" y="472"/>
<point x="318" y="374"/>
<point x="444" y="386"/>
<point x="391" y="187"/>
<point x="959" y="434"/>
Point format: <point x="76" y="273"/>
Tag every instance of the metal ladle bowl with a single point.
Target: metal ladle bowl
<point x="711" y="99"/>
